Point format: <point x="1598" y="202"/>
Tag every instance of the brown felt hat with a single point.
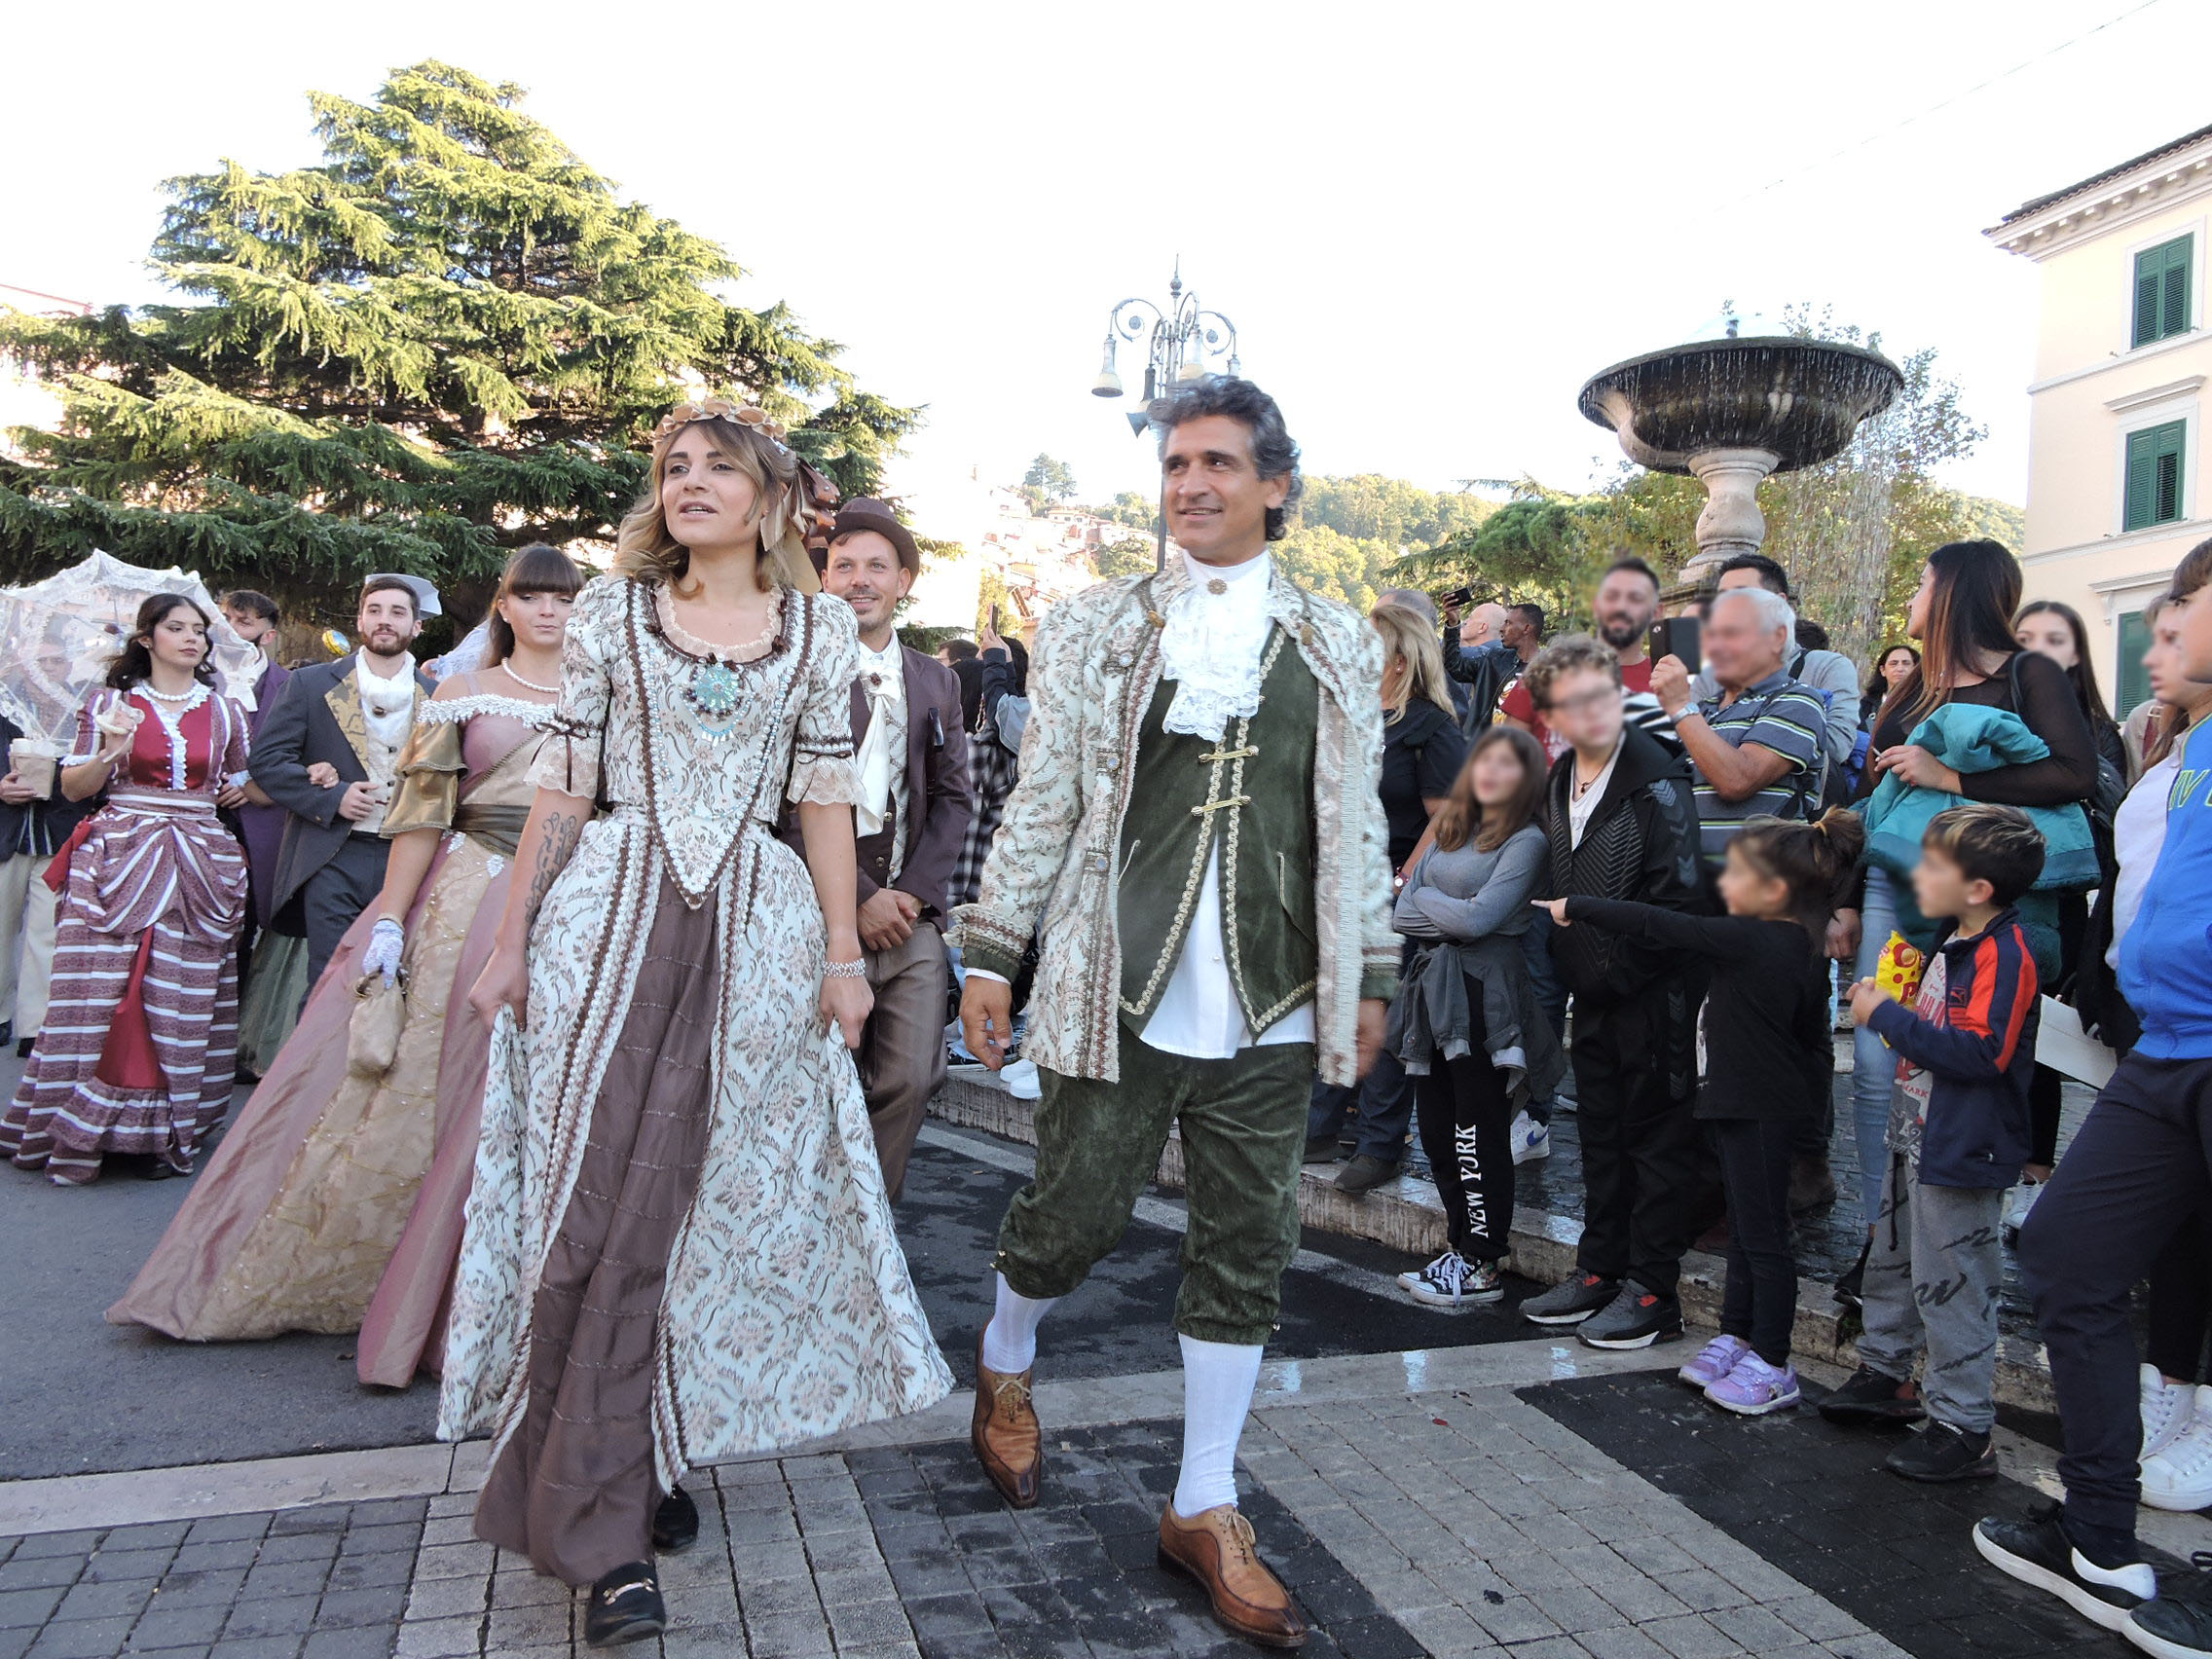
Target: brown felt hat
<point x="865" y="512"/>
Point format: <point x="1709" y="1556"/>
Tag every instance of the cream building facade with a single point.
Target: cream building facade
<point x="2117" y="410"/>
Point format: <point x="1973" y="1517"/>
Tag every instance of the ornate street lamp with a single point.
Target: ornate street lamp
<point x="1182" y="336"/>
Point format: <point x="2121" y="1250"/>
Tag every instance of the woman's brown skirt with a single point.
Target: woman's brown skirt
<point x="574" y="1488"/>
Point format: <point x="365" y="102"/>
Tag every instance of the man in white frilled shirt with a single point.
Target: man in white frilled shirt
<point x="1197" y="794"/>
<point x="351" y="717"/>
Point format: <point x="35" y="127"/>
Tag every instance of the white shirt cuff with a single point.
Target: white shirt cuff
<point x="985" y="973"/>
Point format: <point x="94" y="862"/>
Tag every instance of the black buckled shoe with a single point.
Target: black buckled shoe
<point x="676" y="1523"/>
<point x="625" y="1605"/>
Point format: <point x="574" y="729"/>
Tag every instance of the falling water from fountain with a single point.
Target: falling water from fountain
<point x="1731" y="411"/>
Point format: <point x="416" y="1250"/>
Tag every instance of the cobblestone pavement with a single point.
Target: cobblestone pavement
<point x="1427" y="1483"/>
<point x="1525" y="1497"/>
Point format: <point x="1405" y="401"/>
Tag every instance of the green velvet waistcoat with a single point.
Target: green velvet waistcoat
<point x="1254" y="792"/>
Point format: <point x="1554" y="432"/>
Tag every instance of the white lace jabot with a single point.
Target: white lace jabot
<point x="1212" y="645"/>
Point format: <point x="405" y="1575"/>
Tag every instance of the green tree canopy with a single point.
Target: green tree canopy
<point x="1049" y="480"/>
<point x="1137" y="511"/>
<point x="448" y="338"/>
<point x="1370" y="507"/>
<point x="1131" y="555"/>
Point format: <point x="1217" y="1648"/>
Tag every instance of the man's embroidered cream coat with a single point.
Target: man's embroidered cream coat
<point x="1053" y="868"/>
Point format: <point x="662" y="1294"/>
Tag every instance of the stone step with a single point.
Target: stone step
<point x="1406" y="1215"/>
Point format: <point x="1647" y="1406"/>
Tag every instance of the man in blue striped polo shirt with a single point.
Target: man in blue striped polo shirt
<point x="1755" y="748"/>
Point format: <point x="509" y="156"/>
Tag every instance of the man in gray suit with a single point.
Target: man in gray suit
<point x="355" y="715"/>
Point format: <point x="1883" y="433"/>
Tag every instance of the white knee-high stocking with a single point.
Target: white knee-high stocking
<point x="1010" y="1340"/>
<point x="1218" y="1379"/>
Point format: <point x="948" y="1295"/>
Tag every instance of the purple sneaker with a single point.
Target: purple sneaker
<point x="1714" y="1361"/>
<point x="1754" y="1388"/>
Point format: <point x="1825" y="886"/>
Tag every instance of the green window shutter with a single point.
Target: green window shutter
<point x="2162" y="291"/>
<point x="2166" y="467"/>
<point x="2133" y="679"/>
<point x="2153" y="475"/>
<point x="2137" y="513"/>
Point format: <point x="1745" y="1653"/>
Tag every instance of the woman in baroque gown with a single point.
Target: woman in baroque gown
<point x="335" y="1203"/>
<point x="679" y="1245"/>
<point x="136" y="1058"/>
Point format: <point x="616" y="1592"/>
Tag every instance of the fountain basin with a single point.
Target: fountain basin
<point x="1797" y="401"/>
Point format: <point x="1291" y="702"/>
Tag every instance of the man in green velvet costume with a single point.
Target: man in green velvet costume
<point x="1197" y="845"/>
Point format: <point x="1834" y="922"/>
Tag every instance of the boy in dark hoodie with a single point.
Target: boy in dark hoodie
<point x="1959" y="1132"/>
<point x="1622" y="822"/>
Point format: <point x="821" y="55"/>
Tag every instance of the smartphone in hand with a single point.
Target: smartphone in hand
<point x="1678" y="637"/>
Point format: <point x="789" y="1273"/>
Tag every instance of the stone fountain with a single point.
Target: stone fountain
<point x="1729" y="412"/>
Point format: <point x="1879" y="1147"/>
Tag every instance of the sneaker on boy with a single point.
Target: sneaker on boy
<point x="1634" y="1318"/>
<point x="1959" y="1132"/>
<point x="1571" y="1301"/>
<point x="2102" y="1580"/>
<point x="1873" y="1396"/>
<point x="1454" y="1282"/>
<point x="1936" y="1453"/>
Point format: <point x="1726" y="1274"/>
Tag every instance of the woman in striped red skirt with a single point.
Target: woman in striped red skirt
<point x="141" y="1027"/>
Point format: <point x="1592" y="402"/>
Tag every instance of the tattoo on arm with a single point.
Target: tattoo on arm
<point x="553" y="854"/>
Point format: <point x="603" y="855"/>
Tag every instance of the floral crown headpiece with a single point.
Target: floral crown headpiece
<point x="747" y="416"/>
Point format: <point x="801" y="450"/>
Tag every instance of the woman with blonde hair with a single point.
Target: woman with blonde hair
<point x="679" y="1247"/>
<point x="1422" y="748"/>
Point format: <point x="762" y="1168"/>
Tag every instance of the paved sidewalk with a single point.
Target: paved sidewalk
<point x="1529" y="1497"/>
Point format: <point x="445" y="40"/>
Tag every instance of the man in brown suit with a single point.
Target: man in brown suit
<point x="912" y="759"/>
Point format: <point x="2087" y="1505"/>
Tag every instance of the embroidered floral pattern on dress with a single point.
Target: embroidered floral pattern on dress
<point x="823" y="1330"/>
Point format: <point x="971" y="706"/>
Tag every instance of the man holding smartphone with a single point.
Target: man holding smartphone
<point x="1626" y="603"/>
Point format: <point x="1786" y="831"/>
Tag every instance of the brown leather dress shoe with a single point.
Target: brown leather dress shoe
<point x="1216" y="1547"/>
<point x="1008" y="1441"/>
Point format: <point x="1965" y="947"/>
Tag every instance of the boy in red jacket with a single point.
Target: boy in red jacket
<point x="1959" y="1132"/>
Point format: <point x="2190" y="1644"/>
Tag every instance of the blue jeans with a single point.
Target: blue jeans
<point x="1874" y="1064"/>
<point x="1385" y="1099"/>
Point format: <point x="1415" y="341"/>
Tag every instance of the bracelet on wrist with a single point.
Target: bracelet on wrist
<point x="857" y="968"/>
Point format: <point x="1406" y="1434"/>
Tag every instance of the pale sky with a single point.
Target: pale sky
<point x="1430" y="223"/>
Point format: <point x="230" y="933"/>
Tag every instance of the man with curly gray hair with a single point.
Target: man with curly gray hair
<point x="1197" y="843"/>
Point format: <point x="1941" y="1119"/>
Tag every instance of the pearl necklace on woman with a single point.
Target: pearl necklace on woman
<point x="532" y="684"/>
<point x="196" y="689"/>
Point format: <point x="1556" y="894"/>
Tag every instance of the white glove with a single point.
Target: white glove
<point x="387" y="939"/>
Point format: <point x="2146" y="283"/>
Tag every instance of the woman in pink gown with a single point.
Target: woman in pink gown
<point x="335" y="1203"/>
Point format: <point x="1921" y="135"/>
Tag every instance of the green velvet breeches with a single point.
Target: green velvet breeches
<point x="1244" y="1135"/>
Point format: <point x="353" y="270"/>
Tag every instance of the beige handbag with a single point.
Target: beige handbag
<point x="372" y="1035"/>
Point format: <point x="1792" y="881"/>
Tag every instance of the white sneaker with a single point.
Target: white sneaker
<point x="2168" y="1408"/>
<point x="1022" y="1080"/>
<point x="2019" y="1202"/>
<point x="1532" y="1140"/>
<point x="1451" y="1281"/>
<point x="2180" y="1478"/>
